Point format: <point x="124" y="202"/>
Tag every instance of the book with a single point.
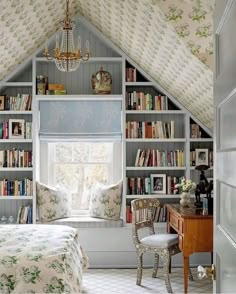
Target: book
<point x="56" y="87"/>
<point x="2" y="102"/>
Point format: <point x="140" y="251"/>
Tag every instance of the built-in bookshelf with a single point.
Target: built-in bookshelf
<point x="16" y="146"/>
<point x="159" y="135"/>
<point x="161" y="143"/>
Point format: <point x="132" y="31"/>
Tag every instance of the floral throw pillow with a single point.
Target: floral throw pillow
<point x="105" y="201"/>
<point x="52" y="203"/>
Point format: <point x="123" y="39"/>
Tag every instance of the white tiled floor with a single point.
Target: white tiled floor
<point x="123" y="281"/>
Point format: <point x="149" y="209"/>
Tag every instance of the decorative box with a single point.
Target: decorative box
<point x="101" y="82"/>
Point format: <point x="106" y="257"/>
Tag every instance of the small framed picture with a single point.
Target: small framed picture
<point x="201" y="157"/>
<point x="16" y="128"/>
<point x="158" y="183"/>
<point x="1" y="103"/>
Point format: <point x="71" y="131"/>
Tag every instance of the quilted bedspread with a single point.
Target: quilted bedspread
<point x="40" y="259"/>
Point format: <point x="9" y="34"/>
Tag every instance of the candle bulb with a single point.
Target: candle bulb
<point x="87" y="46"/>
<point x="79" y="43"/>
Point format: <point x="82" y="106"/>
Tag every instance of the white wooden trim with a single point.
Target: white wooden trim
<point x="91" y="59"/>
<point x="16" y="140"/>
<point x="2" y="197"/>
<point x="15" y="112"/>
<point x="16" y="169"/>
<point x="135" y="84"/>
<point x="164" y="196"/>
<point x="79" y="97"/>
<point x="16" y="84"/>
<point x="201" y="140"/>
<point x="155" y="140"/>
<point x="152" y="168"/>
<point x="155" y="112"/>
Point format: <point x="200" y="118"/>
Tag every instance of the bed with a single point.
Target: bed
<point x="40" y="259"/>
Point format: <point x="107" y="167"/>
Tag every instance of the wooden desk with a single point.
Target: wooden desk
<point x="194" y="229"/>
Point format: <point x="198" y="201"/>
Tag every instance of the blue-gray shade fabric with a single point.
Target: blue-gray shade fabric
<point x="80" y="120"/>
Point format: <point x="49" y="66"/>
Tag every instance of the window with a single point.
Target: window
<point x="79" y="165"/>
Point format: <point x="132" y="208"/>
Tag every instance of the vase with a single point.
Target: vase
<point x="185" y="199"/>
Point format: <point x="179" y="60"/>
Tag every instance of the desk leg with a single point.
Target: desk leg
<point x="186" y="269"/>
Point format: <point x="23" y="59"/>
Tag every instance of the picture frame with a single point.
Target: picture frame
<point x="16" y="128"/>
<point x="2" y="100"/>
<point x="158" y="183"/>
<point x="201" y="157"/>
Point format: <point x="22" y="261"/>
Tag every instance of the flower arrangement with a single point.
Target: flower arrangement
<point x="186" y="186"/>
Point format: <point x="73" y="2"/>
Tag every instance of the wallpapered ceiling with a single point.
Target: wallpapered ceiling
<point x="159" y="35"/>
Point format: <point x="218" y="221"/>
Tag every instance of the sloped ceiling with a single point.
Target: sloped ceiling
<point x="148" y="31"/>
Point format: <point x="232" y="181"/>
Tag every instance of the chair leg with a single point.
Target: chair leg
<point x="170" y="266"/>
<point x="190" y="276"/>
<point x="166" y="261"/>
<point x="155" y="267"/>
<point x="140" y="268"/>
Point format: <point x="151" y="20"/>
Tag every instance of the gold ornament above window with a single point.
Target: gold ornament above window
<point x="101" y="82"/>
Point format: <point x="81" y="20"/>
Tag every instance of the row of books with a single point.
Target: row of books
<point x="15" y="158"/>
<point x="157" y="215"/>
<point x="15" y="129"/>
<point x="142" y="185"/>
<point x="44" y="88"/>
<point x="208" y="161"/>
<point x="16" y="188"/>
<point x="25" y="215"/>
<point x="130" y="74"/>
<point x="150" y="130"/>
<point x="153" y="157"/>
<point x="141" y="101"/>
<point x="20" y="102"/>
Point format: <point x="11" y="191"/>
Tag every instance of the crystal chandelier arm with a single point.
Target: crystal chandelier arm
<point x="46" y="53"/>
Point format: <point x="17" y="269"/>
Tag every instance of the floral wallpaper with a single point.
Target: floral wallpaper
<point x="193" y="22"/>
<point x="143" y="29"/>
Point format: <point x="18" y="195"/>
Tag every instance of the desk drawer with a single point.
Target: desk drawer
<point x="174" y="221"/>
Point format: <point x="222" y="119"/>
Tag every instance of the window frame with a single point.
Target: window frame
<point x="114" y="167"/>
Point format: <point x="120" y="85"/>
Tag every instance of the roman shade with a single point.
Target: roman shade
<point x="76" y="119"/>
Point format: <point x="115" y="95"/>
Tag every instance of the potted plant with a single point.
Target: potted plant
<point x="185" y="187"/>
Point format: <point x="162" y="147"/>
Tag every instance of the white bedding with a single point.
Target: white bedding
<point x="40" y="259"/>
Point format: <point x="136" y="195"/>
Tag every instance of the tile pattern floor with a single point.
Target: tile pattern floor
<point x="122" y="281"/>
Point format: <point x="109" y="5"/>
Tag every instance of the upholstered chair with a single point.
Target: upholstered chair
<point x="162" y="245"/>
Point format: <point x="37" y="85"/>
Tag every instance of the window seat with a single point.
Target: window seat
<point x="88" y="222"/>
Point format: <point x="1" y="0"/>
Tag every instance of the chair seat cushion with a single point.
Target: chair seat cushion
<point x="160" y="240"/>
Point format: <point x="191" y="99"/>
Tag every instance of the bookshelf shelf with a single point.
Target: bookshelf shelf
<point x="169" y="112"/>
<point x="16" y="140"/>
<point x="201" y="140"/>
<point x="7" y="112"/>
<point x="79" y="97"/>
<point x="138" y="83"/>
<point x="2" y="197"/>
<point x="16" y="84"/>
<point x="17" y="94"/>
<point x="193" y="168"/>
<point x="154" y="196"/>
<point x="153" y="168"/>
<point x="176" y="140"/>
<point x="91" y="60"/>
<point x="16" y="169"/>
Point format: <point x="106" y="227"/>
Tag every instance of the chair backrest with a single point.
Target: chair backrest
<point x="144" y="212"/>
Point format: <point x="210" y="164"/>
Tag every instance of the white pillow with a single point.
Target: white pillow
<point x="105" y="201"/>
<point x="52" y="203"/>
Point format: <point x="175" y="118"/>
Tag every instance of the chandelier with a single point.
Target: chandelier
<point x="67" y="57"/>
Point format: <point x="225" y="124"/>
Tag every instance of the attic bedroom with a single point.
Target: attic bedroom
<point x="113" y="145"/>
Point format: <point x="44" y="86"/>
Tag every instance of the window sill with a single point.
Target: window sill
<point x="88" y="222"/>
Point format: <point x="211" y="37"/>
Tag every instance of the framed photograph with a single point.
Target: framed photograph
<point x="201" y="157"/>
<point x="1" y="103"/>
<point x="158" y="183"/>
<point x="16" y="128"/>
